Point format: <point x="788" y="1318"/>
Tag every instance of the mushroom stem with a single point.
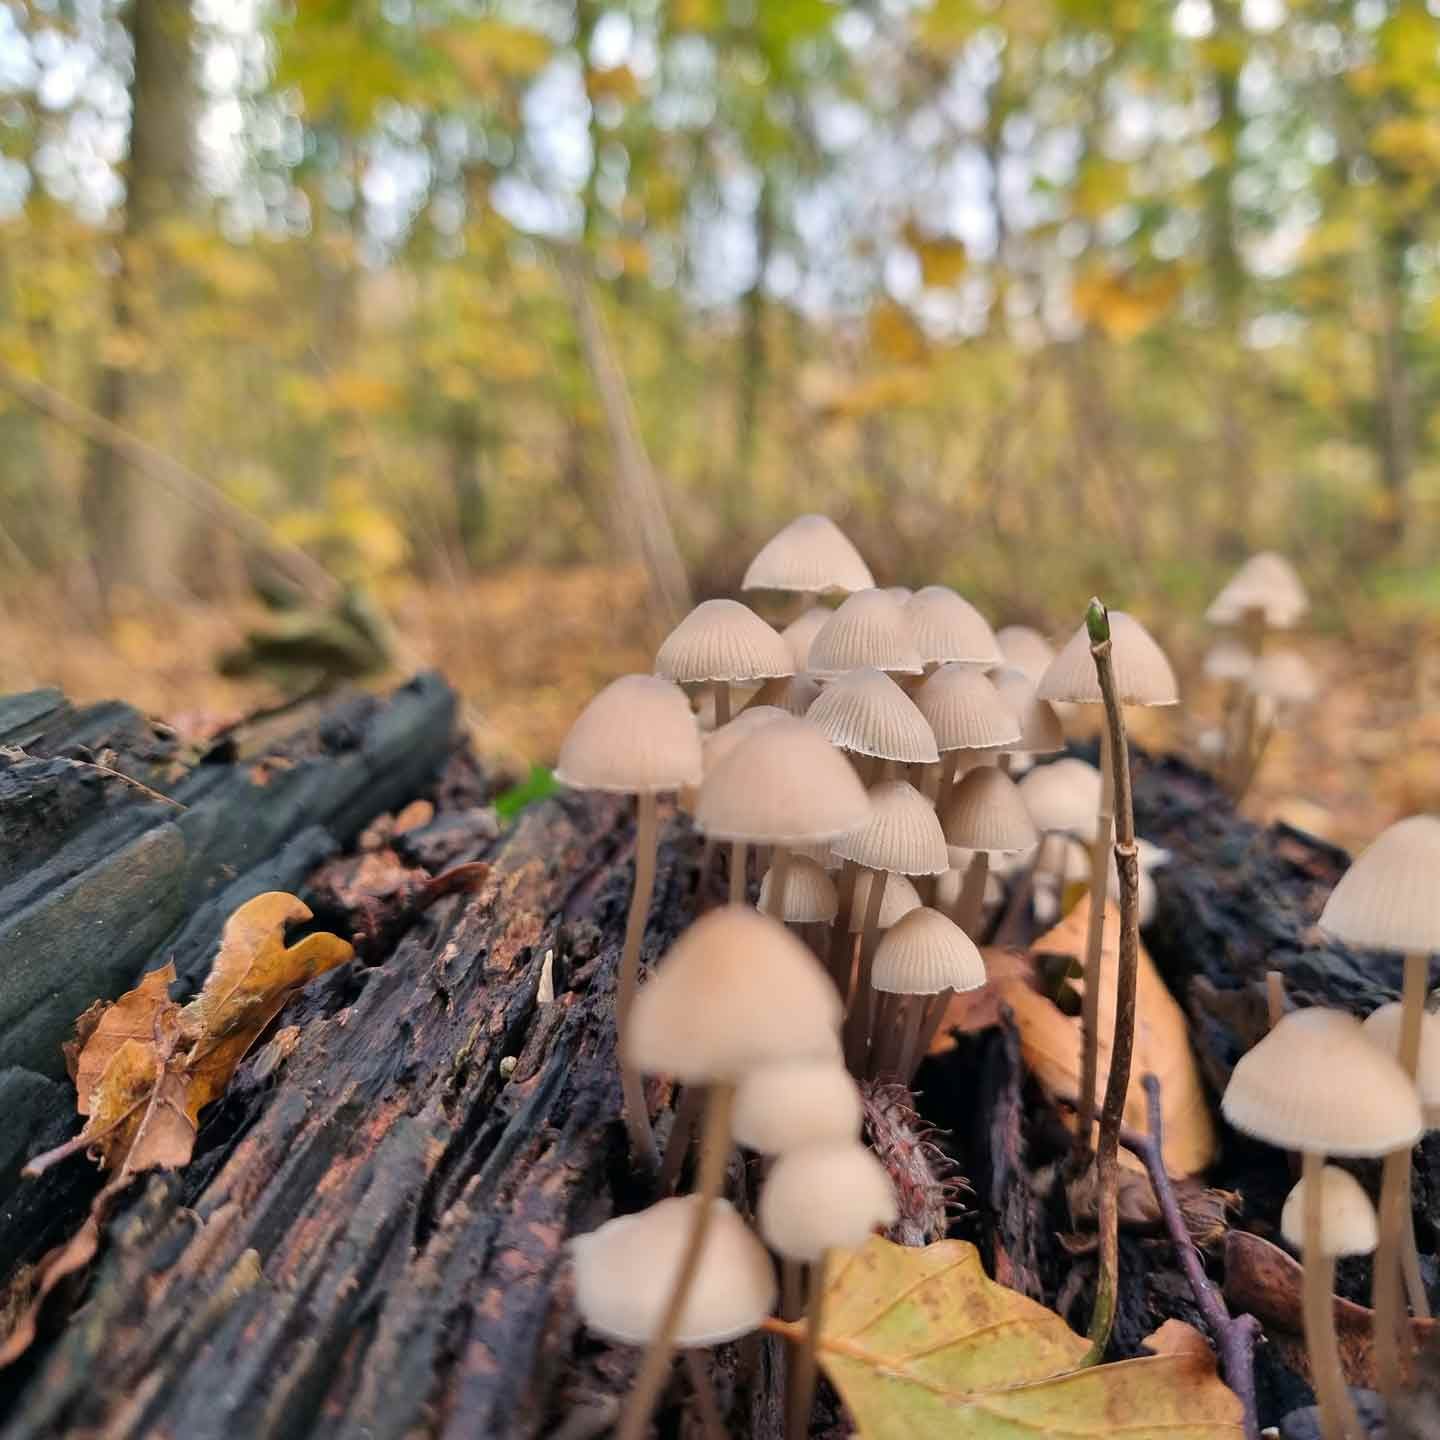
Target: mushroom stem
<point x="637" y="1114"/>
<point x="1094" y="938"/>
<point x="802" y="1382"/>
<point x="677" y="1144"/>
<point x="737" y="872"/>
<point x="779" y="873"/>
<point x="949" y="764"/>
<point x="840" y="929"/>
<point x="1338" y="1420"/>
<point x="935" y="1012"/>
<point x="714" y="1157"/>
<point x="792" y="1289"/>
<point x="722" y="703"/>
<point x="903" y="1055"/>
<point x="857" y="1022"/>
<point x="972" y="894"/>
<point x="711" y="1421"/>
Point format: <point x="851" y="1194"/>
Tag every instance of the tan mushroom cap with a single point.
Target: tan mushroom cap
<point x="900" y="897"/>
<point x="1382" y="1027"/>
<point x="1389" y="899"/>
<point x="946" y="627"/>
<point x="1040" y="730"/>
<point x="799" y="633"/>
<point x="718" y="744"/>
<point x="824" y="1197"/>
<point x="899" y="593"/>
<point x="1228" y="660"/>
<point x="1284" y="677"/>
<point x="811" y="554"/>
<point x="1315" y="1084"/>
<point x="810" y="897"/>
<point x="794" y="694"/>
<point x="783" y="785"/>
<point x="867" y="712"/>
<point x="984" y="811"/>
<point x="1266" y="582"/>
<point x="1025" y="649"/>
<point x="820" y="852"/>
<point x="736" y="990"/>
<point x="1348" y="1223"/>
<point x="869" y="629"/>
<point x="965" y="711"/>
<point x="1142" y="673"/>
<point x="801" y="1102"/>
<point x="1063" y="795"/>
<point x="637" y="736"/>
<point x="902" y="834"/>
<point x="723" y="640"/>
<point x="626" y="1269"/>
<point x="924" y="953"/>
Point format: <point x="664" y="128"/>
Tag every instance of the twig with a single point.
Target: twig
<point x="1234" y="1335"/>
<point x="13" y="752"/>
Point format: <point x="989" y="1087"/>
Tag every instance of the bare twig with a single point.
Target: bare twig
<point x="16" y="752"/>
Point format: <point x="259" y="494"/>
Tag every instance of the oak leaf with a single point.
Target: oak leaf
<point x="103" y="1029"/>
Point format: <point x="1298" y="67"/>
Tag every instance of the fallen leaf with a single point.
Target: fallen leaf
<point x="1175" y="1337"/>
<point x="922" y="1345"/>
<point x="131" y="1017"/>
<point x="973" y="1010"/>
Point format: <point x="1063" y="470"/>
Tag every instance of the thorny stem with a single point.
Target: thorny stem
<point x="1338" y="1420"/>
<point x="637" y="1113"/>
<point x="802" y="1381"/>
<point x="1094" y="941"/>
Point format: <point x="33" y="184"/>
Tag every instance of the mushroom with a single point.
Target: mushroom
<point x="801" y="631"/>
<point x="869" y="629"/>
<point x="965" y="713"/>
<point x="796" y="1102"/>
<point x="794" y="695"/>
<point x="721" y="643"/>
<point x="984" y="813"/>
<point x="636" y="737"/>
<point x="810" y="556"/>
<point x="1025" y="649"/>
<point x="1314" y="1084"/>
<point x="1389" y="900"/>
<point x="945" y="627"/>
<point x="1040" y="730"/>
<point x="867" y="713"/>
<point x="1279" y="685"/>
<point x="809" y="898"/>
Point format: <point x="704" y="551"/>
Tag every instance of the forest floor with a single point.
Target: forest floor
<point x="527" y="647"/>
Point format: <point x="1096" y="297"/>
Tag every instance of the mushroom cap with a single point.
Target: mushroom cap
<point x="951" y="886"/>
<point x="1389" y="899"/>
<point x="796" y="1102"/>
<point x="1348" y="1223"/>
<point x="984" y="811"/>
<point x="820" y="852"/>
<point x="794" y="694"/>
<point x="810" y="897"/>
<point x="964" y="710"/>
<point x="1382" y="1027"/>
<point x="869" y="629"/>
<point x="924" y="953"/>
<point x="1315" y="1084"/>
<point x="899" y="593"/>
<point x="898" y="900"/>
<point x="1063" y="795"/>
<point x="800" y="632"/>
<point x="736" y="990"/>
<point x="723" y="640"/>
<point x="824" y="1197"/>
<point x="637" y="736"/>
<point x="1025" y="649"/>
<point x="811" y="554"/>
<point x="1284" y="677"/>
<point x="1040" y="730"/>
<point x="718" y="745"/>
<point x="626" y="1269"/>
<point x="902" y="834"/>
<point x="1228" y="660"/>
<point x="783" y="785"/>
<point x="946" y="627"/>
<point x="1142" y="673"/>
<point x="867" y="712"/>
<point x="1266" y="582"/>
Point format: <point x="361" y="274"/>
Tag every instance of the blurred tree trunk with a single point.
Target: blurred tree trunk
<point x="752" y="364"/>
<point x="129" y="524"/>
<point x="1393" y="400"/>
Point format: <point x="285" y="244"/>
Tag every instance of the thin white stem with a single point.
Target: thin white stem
<point x="1338" y="1420"/>
<point x="637" y="1113"/>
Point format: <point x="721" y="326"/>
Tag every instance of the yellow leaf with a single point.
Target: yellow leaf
<point x="922" y="1345"/>
<point x="942" y="260"/>
<point x="894" y="333"/>
<point x="1411" y="144"/>
<point x="1125" y="304"/>
<point x="132" y="1017"/>
<point x="616" y="82"/>
<point x="489" y="53"/>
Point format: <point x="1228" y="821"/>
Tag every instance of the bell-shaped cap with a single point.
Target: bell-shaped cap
<point x="811" y="554"/>
<point x="901" y="834"/>
<point x="1382" y="1027"/>
<point x="1315" y="1084"/>
<point x="1348" y="1223"/>
<point x="810" y="897"/>
<point x="1063" y="795"/>
<point x="1389" y="899"/>
<point x="798" y="1102"/>
<point x="800" y="632"/>
<point x="867" y="712"/>
<point x="946" y="627"/>
<point x="736" y="990"/>
<point x="1228" y="660"/>
<point x="1142" y="673"/>
<point x="1285" y="677"/>
<point x="783" y="785"/>
<point x="1025" y="649"/>
<point x="924" y="953"/>
<point x="897" y="900"/>
<point x="965" y="711"/>
<point x="626" y="1269"/>
<point x="718" y="745"/>
<point x="984" y="811"/>
<point x="794" y="694"/>
<point x="637" y="736"/>
<point x="869" y="629"/>
<point x="824" y="1197"/>
<point x="1266" y="582"/>
<point x="726" y="641"/>
<point x="1040" y="730"/>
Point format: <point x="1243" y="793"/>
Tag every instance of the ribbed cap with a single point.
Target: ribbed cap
<point x="984" y="811"/>
<point x="736" y="990"/>
<point x="945" y="626"/>
<point x="1315" y="1084"/>
<point x="1284" y="677"/>
<point x="1063" y="795"/>
<point x="900" y="897"/>
<point x="820" y="852"/>
<point x="1389" y="899"/>
<point x="1266" y="582"/>
<point x="898" y="593"/>
<point x="868" y="629"/>
<point x="637" y="736"/>
<point x="824" y="1197"/>
<point x="783" y="785"/>
<point x="902" y="834"/>
<point x="723" y="640"/>
<point x="1040" y="729"/>
<point x="795" y="694"/>
<point x="866" y="711"/>
<point x="1348" y="1223"/>
<point x="626" y="1269"/>
<point x="965" y="711"/>
<point x="803" y="1102"/>
<point x="810" y="897"/>
<point x="1142" y="673"/>
<point x="924" y="953"/>
<point x="1228" y="660"/>
<point x="810" y="554"/>
<point x="1382" y="1027"/>
<point x="799" y="633"/>
<point x="1025" y="650"/>
<point x="718" y="744"/>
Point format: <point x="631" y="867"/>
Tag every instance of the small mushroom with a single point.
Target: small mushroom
<point x="791" y="1103"/>
<point x="722" y="643"/>
<point x="810" y="556"/>
<point x="801" y="631"/>
<point x="946" y="627"/>
<point x="966" y="713"/>
<point x="1025" y="649"/>
<point x="984" y="813"/>
<point x="1040" y="730"/>
<point x="869" y="629"/>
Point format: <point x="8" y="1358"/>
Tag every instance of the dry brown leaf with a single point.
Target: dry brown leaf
<point x="101" y="1033"/>
<point x="1175" y="1337"/>
<point x="973" y="1010"/>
